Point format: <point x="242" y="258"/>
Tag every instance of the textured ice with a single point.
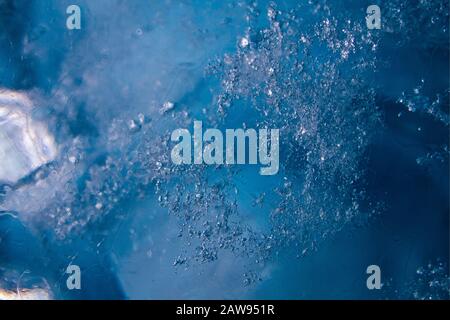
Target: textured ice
<point x="310" y="69"/>
<point x="431" y="282"/>
<point x="25" y="144"/>
<point x="25" y="294"/>
<point x="15" y="286"/>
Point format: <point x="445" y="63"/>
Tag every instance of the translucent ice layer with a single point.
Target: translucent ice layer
<point x="25" y="144"/>
<point x="25" y="294"/>
<point x="115" y="90"/>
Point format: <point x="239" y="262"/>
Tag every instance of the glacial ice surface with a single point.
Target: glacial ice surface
<point x="304" y="68"/>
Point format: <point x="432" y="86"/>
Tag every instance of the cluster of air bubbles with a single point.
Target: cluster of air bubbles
<point x="417" y="101"/>
<point x="90" y="187"/>
<point x="430" y="282"/>
<point x="426" y="20"/>
<point x="438" y="154"/>
<point x="306" y="78"/>
<point x="208" y="217"/>
<point x="326" y="117"/>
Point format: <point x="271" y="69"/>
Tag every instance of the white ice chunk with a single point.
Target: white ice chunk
<point x="26" y="294"/>
<point x="25" y="144"/>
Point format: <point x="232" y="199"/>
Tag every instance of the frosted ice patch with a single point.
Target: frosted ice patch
<point x="25" y="144"/>
<point x="26" y="294"/>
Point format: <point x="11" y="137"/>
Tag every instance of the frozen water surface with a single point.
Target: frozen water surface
<point x="25" y="145"/>
<point x="86" y="176"/>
